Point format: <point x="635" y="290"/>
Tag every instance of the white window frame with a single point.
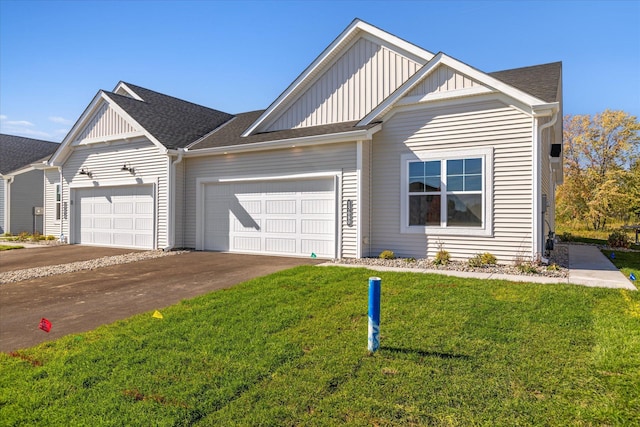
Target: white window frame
<point x="57" y="198"/>
<point x="486" y="155"/>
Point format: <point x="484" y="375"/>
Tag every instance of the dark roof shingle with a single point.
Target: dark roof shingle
<point x="541" y="81"/>
<point x="230" y="134"/>
<point x="173" y="122"/>
<point x="17" y="152"/>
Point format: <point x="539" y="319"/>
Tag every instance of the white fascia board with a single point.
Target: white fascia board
<point x="339" y="43"/>
<point x="122" y="85"/>
<point x="334" y="138"/>
<point x="443" y="59"/>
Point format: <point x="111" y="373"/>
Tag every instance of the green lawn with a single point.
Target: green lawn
<point x="290" y="349"/>
<point x="9" y="247"/>
<point x="627" y="262"/>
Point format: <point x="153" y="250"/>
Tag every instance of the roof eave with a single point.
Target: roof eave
<point x="355" y="135"/>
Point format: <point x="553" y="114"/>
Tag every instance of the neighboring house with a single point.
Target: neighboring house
<point x="21" y="193"/>
<point x="378" y="144"/>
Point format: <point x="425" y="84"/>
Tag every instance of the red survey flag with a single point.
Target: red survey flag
<point x="45" y="325"/>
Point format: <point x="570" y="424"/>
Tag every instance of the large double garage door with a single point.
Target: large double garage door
<point x="293" y="218"/>
<point x="115" y="216"/>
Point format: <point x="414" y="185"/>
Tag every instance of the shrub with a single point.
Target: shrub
<point x="442" y="257"/>
<point x="387" y="255"/>
<point x="475" y="261"/>
<point x="488" y="258"/>
<point x="619" y="239"/>
<point x="410" y="260"/>
<point x="553" y="267"/>
<point x="7" y="234"/>
<point x="50" y="237"/>
<point x="35" y="237"/>
<point x="527" y="268"/>
<point x="23" y="236"/>
<point x="567" y="237"/>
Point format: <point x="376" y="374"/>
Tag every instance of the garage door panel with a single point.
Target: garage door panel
<point x="279" y="245"/>
<point x="317" y="246"/>
<point x="246" y="243"/>
<point x="282" y="207"/>
<point x="115" y="216"/>
<point x="317" y="207"/>
<point x="271" y="217"/>
<point x="280" y="226"/>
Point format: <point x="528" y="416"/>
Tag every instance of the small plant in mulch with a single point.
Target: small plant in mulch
<point x="442" y="256"/>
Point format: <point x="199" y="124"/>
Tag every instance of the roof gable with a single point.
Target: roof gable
<point x="446" y="77"/>
<point x="106" y="123"/>
<point x="351" y="76"/>
<point x="17" y="152"/>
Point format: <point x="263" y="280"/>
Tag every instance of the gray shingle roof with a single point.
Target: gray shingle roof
<point x="173" y="122"/>
<point x="17" y="152"/>
<point x="541" y="81"/>
<point x="229" y="134"/>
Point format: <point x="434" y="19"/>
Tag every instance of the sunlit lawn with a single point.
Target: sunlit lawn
<point x="290" y="349"/>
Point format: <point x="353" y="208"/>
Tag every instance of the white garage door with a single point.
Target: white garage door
<point x="295" y="218"/>
<point x="115" y="216"/>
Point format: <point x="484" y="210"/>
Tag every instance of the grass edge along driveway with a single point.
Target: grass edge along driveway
<point x="290" y="348"/>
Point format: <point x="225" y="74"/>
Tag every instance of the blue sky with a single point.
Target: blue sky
<point x="239" y="56"/>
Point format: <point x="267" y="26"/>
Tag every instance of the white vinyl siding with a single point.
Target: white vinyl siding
<point x="489" y="124"/>
<point x="366" y="74"/>
<point x="3" y="184"/>
<point x="105" y="163"/>
<point x="105" y="123"/>
<point x="51" y="224"/>
<point x="265" y="165"/>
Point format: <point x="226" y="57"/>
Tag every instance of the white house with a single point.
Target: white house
<point x="378" y="144"/>
<point x="21" y="191"/>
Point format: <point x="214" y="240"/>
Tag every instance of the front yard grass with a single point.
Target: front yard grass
<point x="9" y="247"/>
<point x="627" y="262"/>
<point x="290" y="349"/>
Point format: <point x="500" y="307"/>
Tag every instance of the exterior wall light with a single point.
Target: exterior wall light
<point x="127" y="168"/>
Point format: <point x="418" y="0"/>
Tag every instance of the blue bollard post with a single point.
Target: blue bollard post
<point x="374" y="313"/>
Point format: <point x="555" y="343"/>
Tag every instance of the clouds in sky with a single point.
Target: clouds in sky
<point x="31" y="130"/>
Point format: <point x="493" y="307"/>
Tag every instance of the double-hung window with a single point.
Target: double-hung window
<point x="447" y="192"/>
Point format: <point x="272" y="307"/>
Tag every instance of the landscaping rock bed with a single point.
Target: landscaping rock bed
<point x="559" y="262"/>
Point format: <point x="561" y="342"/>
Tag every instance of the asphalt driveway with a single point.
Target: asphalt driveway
<point x="81" y="301"/>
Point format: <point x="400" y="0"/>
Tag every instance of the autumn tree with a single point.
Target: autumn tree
<point x="602" y="168"/>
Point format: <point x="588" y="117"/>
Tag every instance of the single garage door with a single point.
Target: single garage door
<point x="294" y="218"/>
<point x="115" y="216"/>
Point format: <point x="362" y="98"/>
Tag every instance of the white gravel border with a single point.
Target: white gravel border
<point x="92" y="264"/>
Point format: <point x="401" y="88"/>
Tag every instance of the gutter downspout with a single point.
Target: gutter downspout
<point x="538" y="199"/>
<point x="172" y="201"/>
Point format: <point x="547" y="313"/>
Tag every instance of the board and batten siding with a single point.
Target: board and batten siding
<point x="105" y="163"/>
<point x="340" y="158"/>
<point x="180" y="204"/>
<point x="105" y="123"/>
<point x="473" y="125"/>
<point x="442" y="79"/>
<point x="51" y="225"/>
<point x="365" y="75"/>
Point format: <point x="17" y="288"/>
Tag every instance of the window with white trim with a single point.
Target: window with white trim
<point x="58" y="202"/>
<point x="447" y="192"/>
